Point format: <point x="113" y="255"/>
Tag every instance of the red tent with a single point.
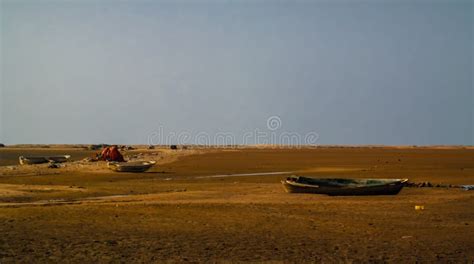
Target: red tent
<point x="111" y="154"/>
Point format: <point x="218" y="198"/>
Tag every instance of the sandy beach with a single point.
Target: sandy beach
<point x="236" y="131"/>
<point x="228" y="205"/>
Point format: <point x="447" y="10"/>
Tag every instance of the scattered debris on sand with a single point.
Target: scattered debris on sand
<point x="97" y="146"/>
<point x="126" y="147"/>
<point x="427" y="184"/>
<point x="54" y="165"/>
<point x="468" y="187"/>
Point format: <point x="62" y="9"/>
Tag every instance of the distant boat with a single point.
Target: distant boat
<point x="134" y="166"/>
<point x="38" y="160"/>
<point x="340" y="186"/>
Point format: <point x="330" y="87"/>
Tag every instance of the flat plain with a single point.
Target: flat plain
<point x="228" y="205"/>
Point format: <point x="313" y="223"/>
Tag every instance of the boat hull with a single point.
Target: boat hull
<point x="32" y="160"/>
<point x="39" y="160"/>
<point x="131" y="166"/>
<point x="390" y="188"/>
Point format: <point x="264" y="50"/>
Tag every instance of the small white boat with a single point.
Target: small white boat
<point x="134" y="166"/>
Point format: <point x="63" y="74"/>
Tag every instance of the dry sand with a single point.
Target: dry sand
<point x="188" y="209"/>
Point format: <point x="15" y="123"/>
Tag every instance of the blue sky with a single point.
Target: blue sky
<point x="354" y="72"/>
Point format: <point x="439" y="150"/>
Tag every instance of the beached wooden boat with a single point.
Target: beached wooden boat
<point x="32" y="160"/>
<point x="134" y="166"/>
<point x="41" y="159"/>
<point x="339" y="186"/>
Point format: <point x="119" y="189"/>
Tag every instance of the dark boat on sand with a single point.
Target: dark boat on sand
<point x="340" y="186"/>
<point x="39" y="160"/>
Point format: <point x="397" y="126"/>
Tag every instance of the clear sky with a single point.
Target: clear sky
<point x="354" y="72"/>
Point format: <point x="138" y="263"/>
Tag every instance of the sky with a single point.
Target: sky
<point x="139" y="72"/>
